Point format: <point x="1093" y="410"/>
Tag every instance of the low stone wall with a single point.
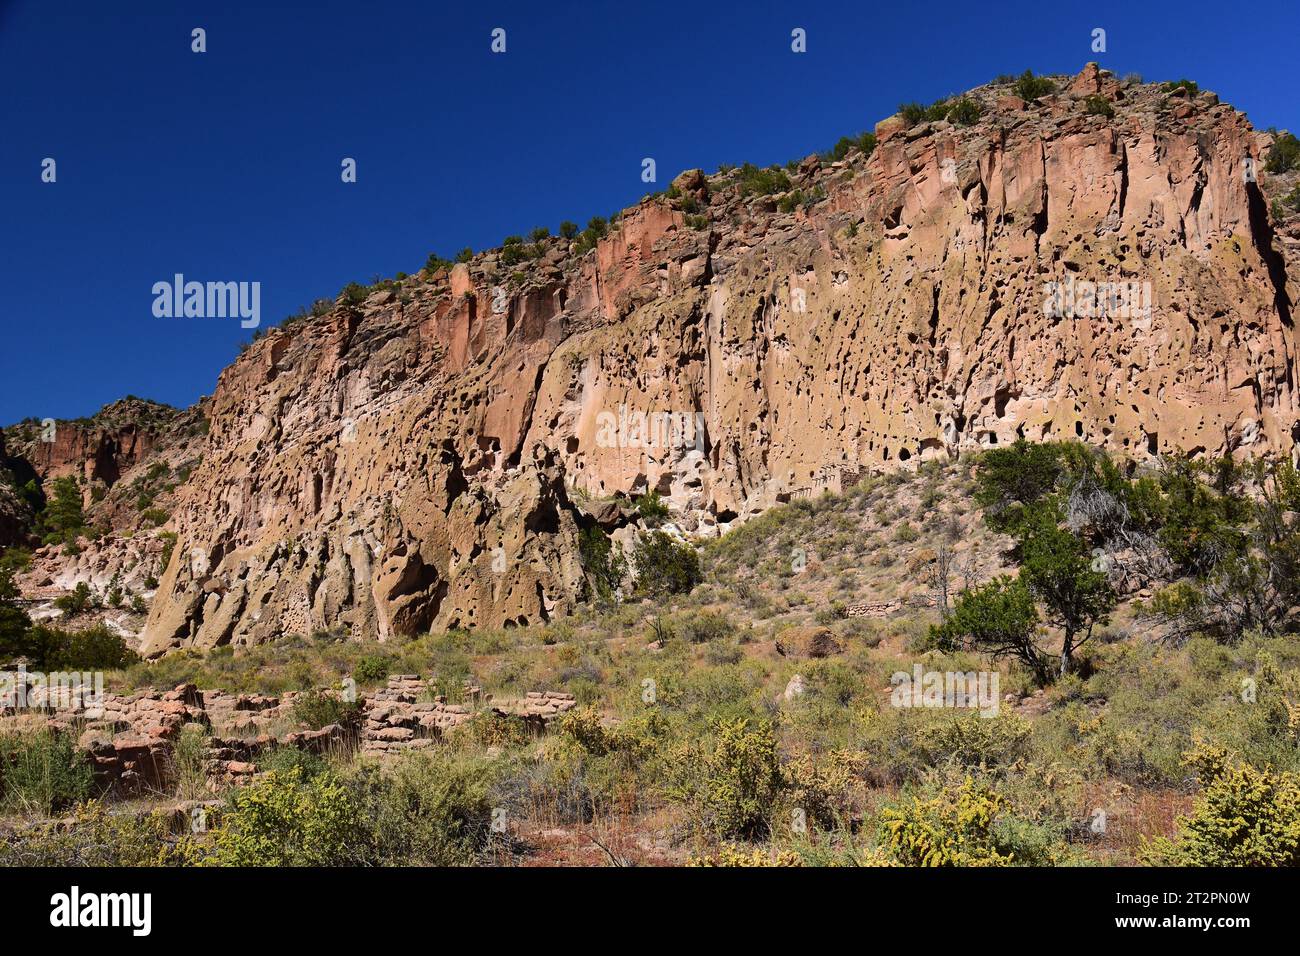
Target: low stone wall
<point x="129" y="739"/>
<point x="404" y="715"/>
<point x="873" y="609"/>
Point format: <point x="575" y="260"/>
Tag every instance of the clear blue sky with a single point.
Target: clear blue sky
<point x="225" y="165"/>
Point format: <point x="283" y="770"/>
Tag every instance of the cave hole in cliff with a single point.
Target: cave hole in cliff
<point x="1153" y="443"/>
<point x="934" y="318"/>
<point x="105" y="466"/>
<point x="542" y="601"/>
<point x="1078" y="428"/>
<point x="1261" y="230"/>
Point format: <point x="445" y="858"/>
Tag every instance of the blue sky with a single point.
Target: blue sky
<point x="225" y="165"/>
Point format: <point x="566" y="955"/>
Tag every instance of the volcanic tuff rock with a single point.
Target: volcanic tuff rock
<point x="97" y="449"/>
<point x="128" y="459"/>
<point x="426" y="457"/>
<point x="16" y="512"/>
<point x="127" y="447"/>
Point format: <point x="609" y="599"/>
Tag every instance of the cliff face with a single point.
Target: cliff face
<point x="129" y="459"/>
<point x="425" y="457"/>
<point x="95" y="450"/>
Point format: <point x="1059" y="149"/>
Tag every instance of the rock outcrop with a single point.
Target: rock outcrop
<point x="426" y="456"/>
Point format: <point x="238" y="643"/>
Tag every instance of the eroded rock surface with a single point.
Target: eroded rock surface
<point x="426" y="456"/>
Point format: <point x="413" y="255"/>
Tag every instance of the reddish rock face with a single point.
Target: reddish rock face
<point x="96" y="450"/>
<point x="408" y="463"/>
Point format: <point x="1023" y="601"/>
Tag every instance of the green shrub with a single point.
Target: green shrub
<point x="790" y="201"/>
<point x="432" y="809"/>
<point x="1029" y="87"/>
<point x="426" y="810"/>
<point x="284" y="820"/>
<point x="1284" y="155"/>
<point x="652" y="509"/>
<point x="1243" y="817"/>
<point x="602" y="563"/>
<point x="953" y="828"/>
<point x="663" y="566"/>
<point x="372" y="669"/>
<point x="189" y="759"/>
<point x="95" y="837"/>
<point x="490" y="729"/>
<point x="973" y="741"/>
<point x="317" y="708"/>
<point x="168" y="539"/>
<point x="704" y="627"/>
<point x="762" y="182"/>
<point x="964" y="112"/>
<point x="513" y="252"/>
<point x="77" y="601"/>
<point x="998" y="618"/>
<point x="863" y="142"/>
<point x="14" y="560"/>
<point x="285" y="760"/>
<point x="730" y="782"/>
<point x="1283" y="207"/>
<point x="913" y="113"/>
<point x="1187" y="85"/>
<point x="42" y="772"/>
<point x="15" y="624"/>
<point x="92" y="649"/>
<point x="597" y="228"/>
<point x="1098" y="106"/>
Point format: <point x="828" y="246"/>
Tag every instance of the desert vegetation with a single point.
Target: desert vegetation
<point x="1140" y="621"/>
